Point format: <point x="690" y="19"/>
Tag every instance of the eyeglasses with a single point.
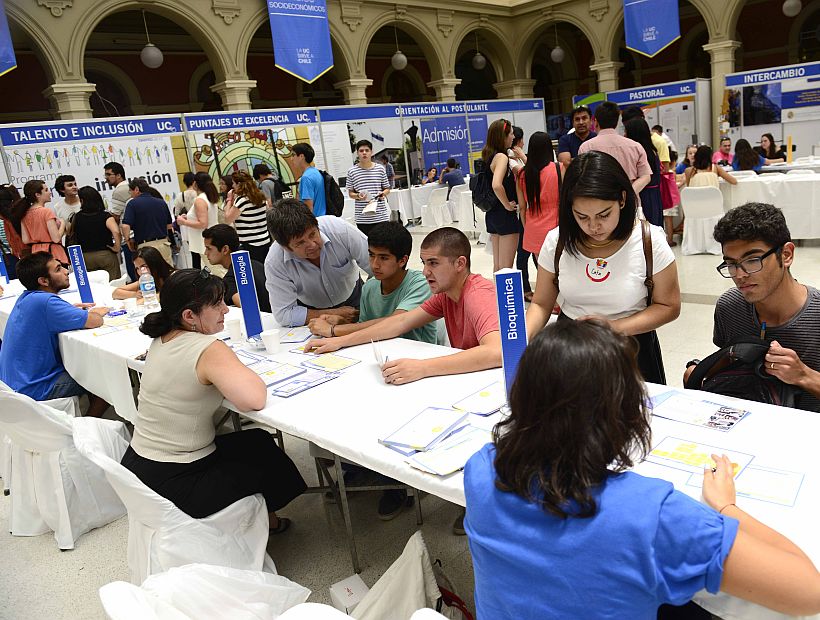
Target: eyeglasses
<point x="749" y="266"/>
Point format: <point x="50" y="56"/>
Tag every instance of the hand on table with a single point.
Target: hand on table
<point x="719" y="486"/>
<point x="320" y="326"/>
<point x="401" y="371"/>
<point x="325" y="345"/>
<point x="785" y="365"/>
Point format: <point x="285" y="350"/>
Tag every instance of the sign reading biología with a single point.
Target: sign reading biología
<point x="246" y="287"/>
<point x="647" y="94"/>
<point x="301" y="37"/>
<point x="509" y="292"/>
<point x="214" y="122"/>
<point x="774" y="74"/>
<point x="27" y="133"/>
<point x="75" y="255"/>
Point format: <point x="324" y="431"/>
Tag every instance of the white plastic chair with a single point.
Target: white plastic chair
<point x="436" y="213"/>
<point x="313" y="611"/>
<point x="121" y="281"/>
<point x="53" y="487"/>
<point x="202" y="591"/>
<point x="161" y="536"/>
<point x="702" y="208"/>
<point x="801" y="171"/>
<point x="454" y="200"/>
<point x="742" y="174"/>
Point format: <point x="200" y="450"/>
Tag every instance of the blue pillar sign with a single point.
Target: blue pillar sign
<point x="247" y="292"/>
<point x="301" y="37"/>
<point x="75" y="255"/>
<point x="509" y="292"/>
<point x="650" y="26"/>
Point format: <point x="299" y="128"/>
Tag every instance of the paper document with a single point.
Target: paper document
<point x="689" y="409"/>
<point x="484" y="402"/>
<point x="370" y="207"/>
<point x="275" y="372"/>
<point x="330" y="362"/>
<point x="300" y="383"/>
<point x="377" y="353"/>
<point x="295" y="334"/>
<point x="692" y="456"/>
<point x="767" y="485"/>
<point x="113" y="324"/>
<point x="426" y="429"/>
<point x="452" y="454"/>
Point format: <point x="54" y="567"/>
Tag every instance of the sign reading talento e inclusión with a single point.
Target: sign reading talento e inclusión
<point x="75" y="255"/>
<point x="509" y="292"/>
<point x="247" y="292"/>
<point x="78" y="131"/>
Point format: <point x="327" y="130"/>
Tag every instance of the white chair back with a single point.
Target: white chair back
<point x="438" y="197"/>
<point x="702" y="208"/>
<point x="436" y="212"/>
<point x="33" y="425"/>
<point x="700" y="202"/>
<point x="770" y="174"/>
<point x="740" y="174"/>
<point x="801" y="171"/>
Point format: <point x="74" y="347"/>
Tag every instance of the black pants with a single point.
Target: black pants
<point x="689" y="611"/>
<point x="522" y="259"/>
<point x="257" y="252"/>
<point x="244" y="463"/>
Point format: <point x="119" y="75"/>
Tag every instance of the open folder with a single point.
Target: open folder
<point x="426" y="429"/>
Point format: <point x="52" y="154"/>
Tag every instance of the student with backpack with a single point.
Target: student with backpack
<point x="311" y="181"/>
<point x="768" y="307"/>
<point x="607" y="263"/>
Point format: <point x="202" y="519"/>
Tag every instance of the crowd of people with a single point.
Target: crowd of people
<point x="547" y="496"/>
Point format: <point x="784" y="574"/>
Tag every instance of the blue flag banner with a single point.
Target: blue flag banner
<point x="75" y="255"/>
<point x="7" y="58"/>
<point x="442" y="138"/>
<point x="247" y="292"/>
<point x="3" y="273"/>
<point x="301" y="37"/>
<point x="509" y="293"/>
<point x="650" y="26"/>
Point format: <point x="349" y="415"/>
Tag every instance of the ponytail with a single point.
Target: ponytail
<point x="18" y="209"/>
<point x="156" y="324"/>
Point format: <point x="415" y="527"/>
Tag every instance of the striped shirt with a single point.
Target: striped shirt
<point x="370" y="181"/>
<point x="251" y="225"/>
<point x="736" y="318"/>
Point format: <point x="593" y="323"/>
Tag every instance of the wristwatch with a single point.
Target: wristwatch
<point x="692" y="362"/>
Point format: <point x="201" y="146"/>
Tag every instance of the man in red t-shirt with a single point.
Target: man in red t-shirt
<point x="465" y="300"/>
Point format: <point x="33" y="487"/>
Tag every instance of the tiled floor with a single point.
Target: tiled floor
<point x="38" y="581"/>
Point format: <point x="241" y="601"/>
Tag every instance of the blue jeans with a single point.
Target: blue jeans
<point x="64" y="387"/>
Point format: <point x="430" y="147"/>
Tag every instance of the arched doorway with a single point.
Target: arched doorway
<point x="396" y="86"/>
<point x="24" y="85"/>
<point x="475" y="83"/>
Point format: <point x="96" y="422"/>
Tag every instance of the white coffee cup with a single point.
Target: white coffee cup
<point x="234" y="327"/>
<point x="130" y="304"/>
<point x="270" y="338"/>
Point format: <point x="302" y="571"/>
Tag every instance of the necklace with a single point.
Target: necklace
<point x="597" y="245"/>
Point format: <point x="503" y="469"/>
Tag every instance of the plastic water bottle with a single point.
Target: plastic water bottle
<point x="148" y="290"/>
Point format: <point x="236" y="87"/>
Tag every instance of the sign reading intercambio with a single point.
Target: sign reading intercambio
<point x="509" y="292"/>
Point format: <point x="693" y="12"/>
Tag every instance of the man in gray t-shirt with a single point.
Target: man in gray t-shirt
<point x="757" y="255"/>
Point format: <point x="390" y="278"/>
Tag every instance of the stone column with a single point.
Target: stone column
<point x="607" y="75"/>
<point x="514" y="89"/>
<point x="354" y="90"/>
<point x="445" y="88"/>
<point x="71" y="99"/>
<point x="723" y="62"/>
<point x="235" y="94"/>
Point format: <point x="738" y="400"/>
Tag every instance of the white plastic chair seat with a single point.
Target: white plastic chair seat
<point x="161" y="536"/>
<point x="702" y="208"/>
<point x="801" y="171"/>
<point x="53" y="487"/>
<point x="436" y="213"/>
<point x="740" y="174"/>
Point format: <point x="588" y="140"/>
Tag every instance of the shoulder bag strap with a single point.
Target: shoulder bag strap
<point x="646" y="237"/>
<point x="559" y="250"/>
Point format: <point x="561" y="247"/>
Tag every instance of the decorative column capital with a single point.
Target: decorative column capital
<point x="354" y="90"/>
<point x="56" y="6"/>
<point x="722" y="50"/>
<point x="235" y="94"/>
<point x="71" y="99"/>
<point x="515" y="89"/>
<point x="445" y="88"/>
<point x="351" y="13"/>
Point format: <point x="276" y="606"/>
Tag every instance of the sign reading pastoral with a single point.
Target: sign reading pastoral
<point x="509" y="292"/>
<point x="647" y="94"/>
<point x="75" y="255"/>
<point x="301" y="37"/>
<point x="246" y="287"/>
<point x="650" y="26"/>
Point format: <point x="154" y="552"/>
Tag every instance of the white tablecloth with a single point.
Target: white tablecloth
<point x="409" y="201"/>
<point x="797" y="195"/>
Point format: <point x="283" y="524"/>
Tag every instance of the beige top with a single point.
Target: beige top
<point x="175" y="414"/>
<point x="703" y="178"/>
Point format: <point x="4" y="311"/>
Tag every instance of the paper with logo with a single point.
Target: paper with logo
<point x="486" y="401"/>
<point x="295" y="335"/>
<point x="75" y="255"/>
<point x="452" y="454"/>
<point x="425" y="429"/>
<point x="687" y="408"/>
<point x="693" y="457"/>
<point x="775" y="486"/>
<point x="243" y="273"/>
<point x="330" y="362"/>
<point x="275" y="372"/>
<point x="300" y="383"/>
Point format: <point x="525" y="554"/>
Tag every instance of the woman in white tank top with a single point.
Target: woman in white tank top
<point x="201" y="216"/>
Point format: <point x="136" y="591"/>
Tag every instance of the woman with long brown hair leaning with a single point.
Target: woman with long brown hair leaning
<point x="39" y="228"/>
<point x="247" y="215"/>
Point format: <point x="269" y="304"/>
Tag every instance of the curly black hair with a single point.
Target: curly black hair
<point x="753" y="221"/>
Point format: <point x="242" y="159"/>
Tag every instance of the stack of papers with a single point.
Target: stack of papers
<point x="295" y="334"/>
<point x="687" y="408"/>
<point x="329" y="362"/>
<point x="486" y="401"/>
<point x="270" y="371"/>
<point x="302" y="382"/>
<point x="425" y="430"/>
<point x="451" y="454"/>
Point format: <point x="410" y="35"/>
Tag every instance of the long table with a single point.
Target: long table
<point x="797" y="195"/>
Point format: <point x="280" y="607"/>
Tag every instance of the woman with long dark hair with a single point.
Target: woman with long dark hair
<point x="559" y="529"/>
<point x="202" y="215"/>
<point x="248" y="216"/>
<point x="13" y="244"/>
<point x="768" y="148"/>
<point x="39" y="228"/>
<point x="703" y="173"/>
<point x="637" y="129"/>
<point x="537" y="191"/>
<point x="596" y="257"/>
<point x="502" y="220"/>
<point x="188" y="373"/>
<point x="688" y="160"/>
<point x="146" y="258"/>
<point x="97" y="232"/>
<point x="746" y="158"/>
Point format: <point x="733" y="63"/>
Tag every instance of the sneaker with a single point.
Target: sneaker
<point x="458" y="524"/>
<point x="392" y="502"/>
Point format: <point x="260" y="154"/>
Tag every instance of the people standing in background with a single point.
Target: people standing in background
<point x="115" y="177"/>
<point x="226" y="195"/>
<point x="769" y="149"/>
<point x="39" y="228"/>
<point x="69" y="203"/>
<point x="636" y="129"/>
<point x="13" y="244"/>
<point x="516" y="153"/>
<point x="703" y="173"/>
<point x="311" y="181"/>
<point x="658" y="130"/>
<point x="97" y="233"/>
<point x="149" y="218"/>
<point x="388" y="168"/>
<point x="367" y="184"/>
<point x="201" y="216"/>
<point x="724" y="156"/>
<point x="266" y="180"/>
<point x="451" y="175"/>
<point x="746" y="158"/>
<point x="502" y="219"/>
<point x="185" y="200"/>
<point x="247" y="214"/>
<point x="658" y="142"/>
<point x="538" y="189"/>
<point x="518" y="159"/>
<point x="569" y="143"/>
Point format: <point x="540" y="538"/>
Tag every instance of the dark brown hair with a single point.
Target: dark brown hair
<point x="496" y="139"/>
<point x="578" y="415"/>
<point x="451" y="242"/>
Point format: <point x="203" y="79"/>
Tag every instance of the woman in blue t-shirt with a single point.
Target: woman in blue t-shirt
<point x="558" y="529"/>
<point x="746" y="158"/>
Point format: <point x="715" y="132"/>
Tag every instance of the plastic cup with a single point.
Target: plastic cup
<point x="270" y="338"/>
<point x="234" y="327"/>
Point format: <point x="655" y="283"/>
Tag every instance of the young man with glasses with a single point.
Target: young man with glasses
<point x="757" y="254"/>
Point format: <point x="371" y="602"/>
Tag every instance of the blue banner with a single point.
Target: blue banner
<point x="247" y="292"/>
<point x="647" y="94"/>
<point x="442" y="138"/>
<point x="272" y="118"/>
<point x="650" y="26"/>
<point x="351" y="113"/>
<point x="301" y="37"/>
<point x="509" y="292"/>
<point x="75" y="256"/>
<point x="30" y="133"/>
<point x="774" y="74"/>
<point x="7" y="58"/>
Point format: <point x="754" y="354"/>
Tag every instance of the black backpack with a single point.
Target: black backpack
<point x="739" y="370"/>
<point x="481" y="185"/>
<point x="334" y="198"/>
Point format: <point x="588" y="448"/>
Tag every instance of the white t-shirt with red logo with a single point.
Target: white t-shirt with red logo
<point x="610" y="287"/>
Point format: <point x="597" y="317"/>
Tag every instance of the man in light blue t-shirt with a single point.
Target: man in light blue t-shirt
<point x="30" y="361"/>
<point x="311" y="183"/>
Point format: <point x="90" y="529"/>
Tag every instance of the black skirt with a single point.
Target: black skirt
<point x="244" y="463"/>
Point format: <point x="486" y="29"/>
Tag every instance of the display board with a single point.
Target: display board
<point x="783" y="101"/>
